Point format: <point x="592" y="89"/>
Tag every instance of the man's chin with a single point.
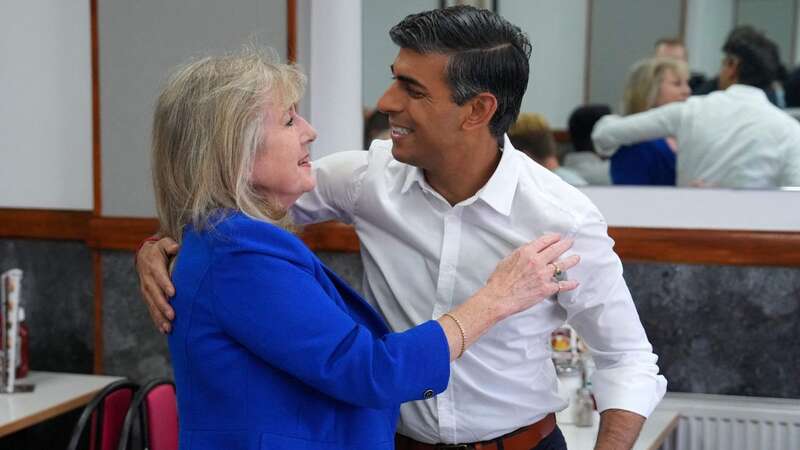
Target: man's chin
<point x="401" y="156"/>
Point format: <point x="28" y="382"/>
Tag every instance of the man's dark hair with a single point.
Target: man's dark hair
<point x="581" y="123"/>
<point x="756" y="54"/>
<point x="486" y="54"/>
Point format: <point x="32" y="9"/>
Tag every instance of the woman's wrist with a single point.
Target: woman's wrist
<point x="461" y="331"/>
<point x="490" y="305"/>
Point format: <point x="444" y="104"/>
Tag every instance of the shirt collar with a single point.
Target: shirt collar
<point x="498" y="192"/>
<point x="413" y="175"/>
<point x="743" y="90"/>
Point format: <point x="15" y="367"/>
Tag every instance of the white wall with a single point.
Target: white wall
<point x="622" y="33"/>
<point x="557" y="31"/>
<point x="773" y="17"/>
<point x="708" y="23"/>
<point x="140" y="42"/>
<point x="46" y="107"/>
<point x="334" y="67"/>
<point x="378" y="16"/>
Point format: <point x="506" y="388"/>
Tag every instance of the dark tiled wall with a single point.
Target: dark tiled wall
<point x="722" y="329"/>
<point x="132" y="346"/>
<point x="57" y="293"/>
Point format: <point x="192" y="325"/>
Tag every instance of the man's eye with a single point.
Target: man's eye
<point x="290" y="122"/>
<point x="415" y="94"/>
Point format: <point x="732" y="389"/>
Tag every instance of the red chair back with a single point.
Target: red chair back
<point x="104" y="414"/>
<point x="155" y="410"/>
<point x="162" y="417"/>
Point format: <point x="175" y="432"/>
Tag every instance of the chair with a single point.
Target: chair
<point x="104" y="415"/>
<point x="155" y="410"/>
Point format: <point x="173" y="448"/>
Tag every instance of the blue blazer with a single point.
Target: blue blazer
<point x="271" y="350"/>
<point x="645" y="163"/>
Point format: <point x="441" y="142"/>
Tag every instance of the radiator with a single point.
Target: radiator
<point x="717" y="422"/>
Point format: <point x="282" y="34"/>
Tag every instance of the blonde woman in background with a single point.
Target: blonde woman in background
<point x="531" y="134"/>
<point x="651" y="83"/>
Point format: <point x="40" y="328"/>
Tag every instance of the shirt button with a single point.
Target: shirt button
<point x="427" y="394"/>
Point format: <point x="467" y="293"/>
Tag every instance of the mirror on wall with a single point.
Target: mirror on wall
<point x="583" y="51"/>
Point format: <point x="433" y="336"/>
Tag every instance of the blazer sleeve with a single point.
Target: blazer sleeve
<point x="278" y="310"/>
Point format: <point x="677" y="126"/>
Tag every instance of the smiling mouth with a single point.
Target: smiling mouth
<point x="305" y="162"/>
<point x="399" y="132"/>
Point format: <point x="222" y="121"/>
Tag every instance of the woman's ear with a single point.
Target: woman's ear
<point x="480" y="110"/>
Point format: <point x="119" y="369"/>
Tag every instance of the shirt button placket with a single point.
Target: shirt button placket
<point x="448" y="262"/>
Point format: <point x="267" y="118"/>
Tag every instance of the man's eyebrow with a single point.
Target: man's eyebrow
<point x="407" y="79"/>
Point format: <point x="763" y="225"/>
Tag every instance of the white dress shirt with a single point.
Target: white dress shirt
<point x="733" y="138"/>
<point x="422" y="257"/>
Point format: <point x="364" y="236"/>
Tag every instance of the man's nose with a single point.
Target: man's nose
<point x="389" y="101"/>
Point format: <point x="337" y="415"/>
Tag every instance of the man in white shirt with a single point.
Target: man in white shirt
<point x="437" y="207"/>
<point x="733" y="138"/>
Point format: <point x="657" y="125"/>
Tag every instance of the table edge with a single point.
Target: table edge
<point x="49" y="413"/>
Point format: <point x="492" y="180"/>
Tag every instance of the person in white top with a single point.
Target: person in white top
<point x="437" y="207"/>
<point x="583" y="158"/>
<point x="733" y="138"/>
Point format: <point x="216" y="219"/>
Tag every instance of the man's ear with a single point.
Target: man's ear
<point x="480" y="110"/>
<point x="731" y="67"/>
<point x="735" y="65"/>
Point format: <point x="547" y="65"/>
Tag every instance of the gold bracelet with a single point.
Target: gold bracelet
<point x="461" y="330"/>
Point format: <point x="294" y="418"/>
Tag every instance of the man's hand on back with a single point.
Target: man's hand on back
<point x="152" y="264"/>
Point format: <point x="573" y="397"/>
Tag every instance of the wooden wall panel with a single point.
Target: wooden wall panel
<point x="44" y="224"/>
<point x="756" y="248"/>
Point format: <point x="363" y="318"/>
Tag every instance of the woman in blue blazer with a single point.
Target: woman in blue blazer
<point x="651" y="83"/>
<point x="271" y="350"/>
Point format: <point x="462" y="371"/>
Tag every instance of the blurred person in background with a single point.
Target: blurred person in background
<point x="668" y="47"/>
<point x="774" y="89"/>
<point x="376" y="126"/>
<point x="583" y="158"/>
<point x="531" y="134"/>
<point x="651" y="83"/>
<point x="734" y="138"/>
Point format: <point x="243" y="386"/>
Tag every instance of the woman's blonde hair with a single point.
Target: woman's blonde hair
<point x="644" y="81"/>
<point x="207" y="128"/>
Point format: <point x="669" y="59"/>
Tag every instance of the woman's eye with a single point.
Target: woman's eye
<point x="290" y="122"/>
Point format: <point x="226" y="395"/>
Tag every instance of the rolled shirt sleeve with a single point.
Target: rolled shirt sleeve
<point x="603" y="313"/>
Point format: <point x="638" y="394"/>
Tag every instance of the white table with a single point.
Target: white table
<point x="656" y="429"/>
<point x="55" y="393"/>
